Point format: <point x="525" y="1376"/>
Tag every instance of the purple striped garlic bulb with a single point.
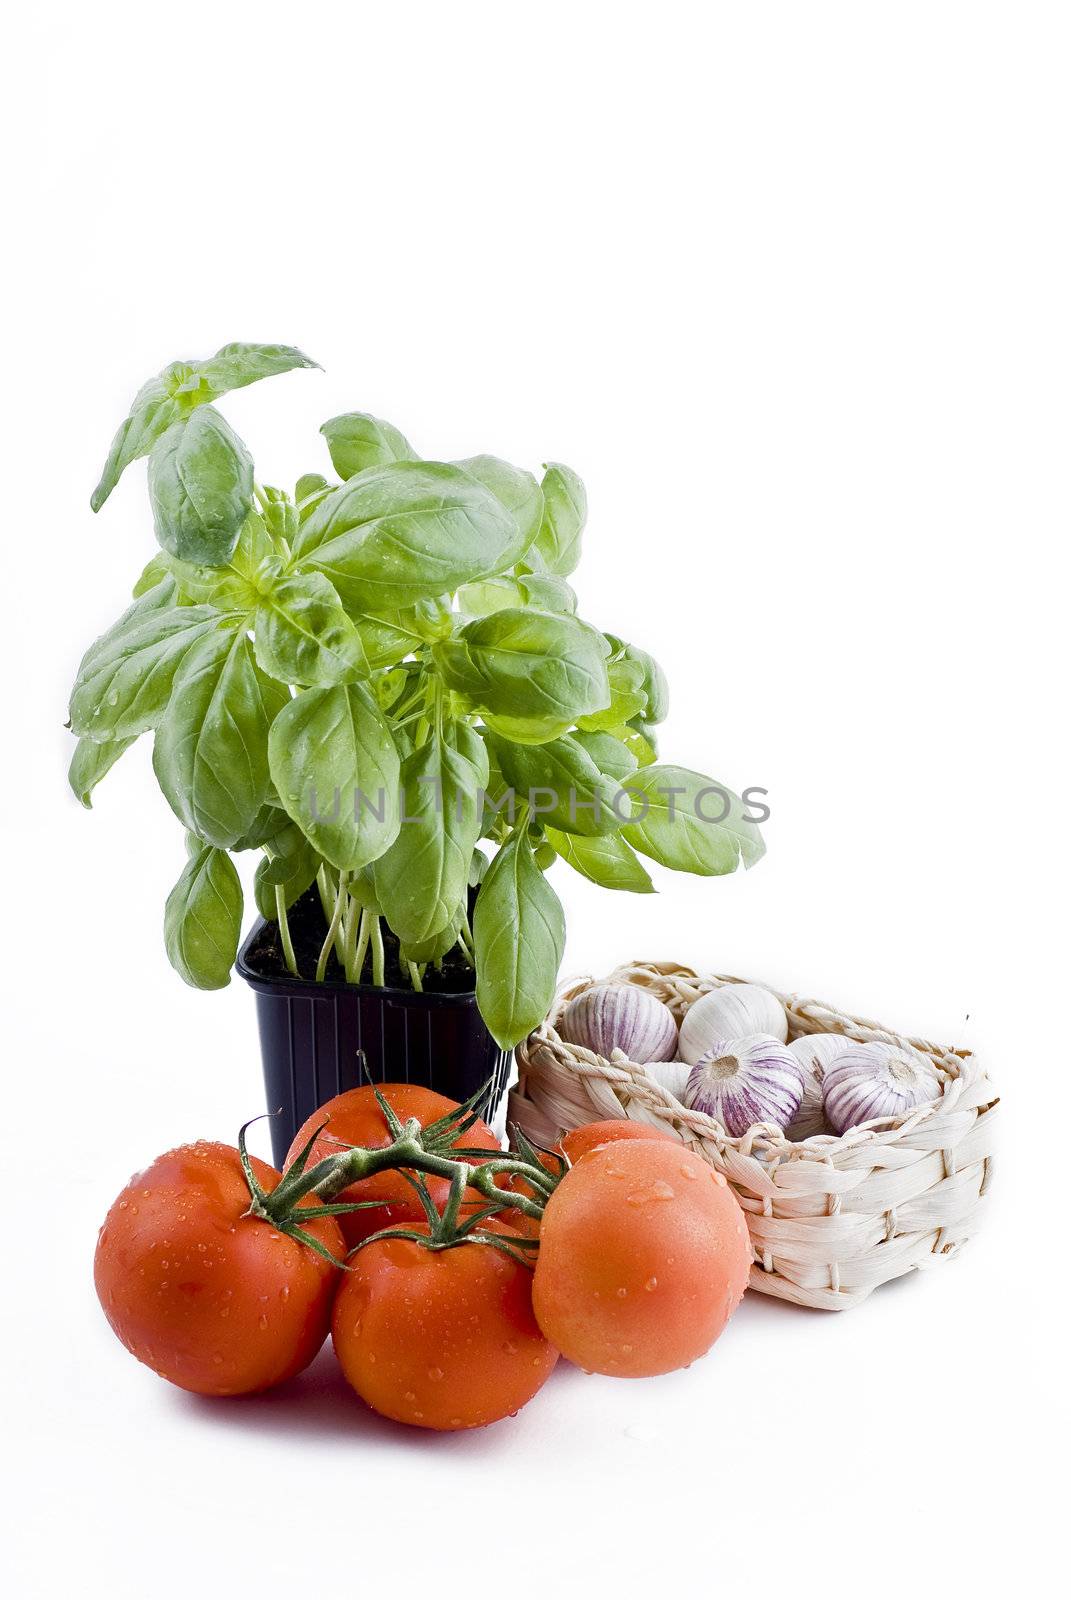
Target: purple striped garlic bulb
<point x="745" y="1081"/>
<point x="620" y="1016"/>
<point x="814" y="1051"/>
<point x="876" y="1080"/>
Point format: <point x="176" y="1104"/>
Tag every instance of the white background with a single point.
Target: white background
<point x="788" y="285"/>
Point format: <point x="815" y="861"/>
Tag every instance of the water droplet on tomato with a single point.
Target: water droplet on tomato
<point x="435" y="1373"/>
<point x="410" y="1396"/>
<point x="217" y="1359"/>
<point x="262" y="1321"/>
<point x="651" y="1285"/>
<point x="122" y="1205"/>
<point x="621" y="1293"/>
<point x="689" y="1173"/>
<point x="510" y="1348"/>
<point x="284" y="1292"/>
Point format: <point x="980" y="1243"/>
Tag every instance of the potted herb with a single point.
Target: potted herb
<point x="369" y="680"/>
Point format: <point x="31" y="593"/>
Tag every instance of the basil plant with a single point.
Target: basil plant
<point x="366" y="678"/>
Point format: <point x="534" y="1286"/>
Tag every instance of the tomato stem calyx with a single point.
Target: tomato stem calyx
<point x="417" y="1153"/>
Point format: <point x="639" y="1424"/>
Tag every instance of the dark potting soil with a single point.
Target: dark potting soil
<point x="308" y="929"/>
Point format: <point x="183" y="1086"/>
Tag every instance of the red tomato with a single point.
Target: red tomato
<point x="441" y="1339"/>
<point x="594" y="1135"/>
<point x="355" y="1118"/>
<point x="573" y="1145"/>
<point x="643" y="1256"/>
<point x="212" y="1299"/>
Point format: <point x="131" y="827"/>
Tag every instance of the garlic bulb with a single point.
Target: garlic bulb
<point x="620" y="1016"/>
<point x="730" y="1012"/>
<point x="672" y="1076"/>
<point x="748" y="1080"/>
<point x="814" y="1051"/>
<point x="876" y="1080"/>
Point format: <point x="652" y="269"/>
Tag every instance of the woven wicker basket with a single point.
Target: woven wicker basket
<point x="830" y="1218"/>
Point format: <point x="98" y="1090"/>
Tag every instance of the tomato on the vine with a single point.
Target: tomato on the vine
<point x="644" y="1254"/>
<point x="356" y="1118"/>
<point x="572" y="1145"/>
<point x="440" y="1338"/>
<point x="213" y="1299"/>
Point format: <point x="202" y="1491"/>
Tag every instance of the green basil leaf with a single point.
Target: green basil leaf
<point x="653" y="683"/>
<point x="292" y="870"/>
<point x="627" y="697"/>
<point x="153" y="573"/>
<point x="542" y="591"/>
<point x="437" y="944"/>
<point x="528" y="664"/>
<point x="302" y="635"/>
<point x="357" y="441"/>
<point x="641" y="739"/>
<point x="125" y="679"/>
<point x="335" y="766"/>
<point x="562" y="785"/>
<point x="362" y="889"/>
<point x="548" y="593"/>
<point x="201" y="488"/>
<point x="679" y="822"/>
<point x="606" y="860"/>
<point x="265" y="826"/>
<point x="402" y="533"/>
<point x="281" y="517"/>
<point x="155" y="408"/>
<point x="477" y="868"/>
<point x="211" y="750"/>
<point x="386" y="643"/>
<point x="565" y="511"/>
<point x="235" y="365"/>
<point x="90" y="763"/>
<point x="203" y="920"/>
<point x="496" y="594"/>
<point x="423" y="878"/>
<point x="608" y="754"/>
<point x="528" y="730"/>
<point x="177" y="392"/>
<point x="308" y="485"/>
<point x="518" y="491"/>
<point x="519" y="934"/>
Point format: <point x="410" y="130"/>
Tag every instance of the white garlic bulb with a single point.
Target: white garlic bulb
<point x="620" y="1016"/>
<point x="731" y="1012"/>
<point x="876" y="1080"/>
<point x="814" y="1051"/>
<point x="672" y="1076"/>
<point x="744" y="1081"/>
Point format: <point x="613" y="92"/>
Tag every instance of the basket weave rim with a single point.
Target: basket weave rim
<point x="957" y="1070"/>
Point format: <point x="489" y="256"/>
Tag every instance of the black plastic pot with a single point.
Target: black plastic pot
<point x="311" y="1033"/>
